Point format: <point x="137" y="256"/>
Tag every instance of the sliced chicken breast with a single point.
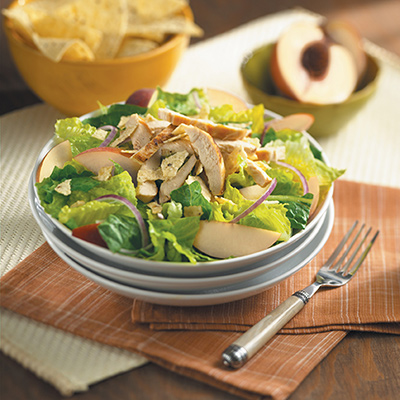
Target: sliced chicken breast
<point x="258" y="173"/>
<point x="217" y="131"/>
<point x="154" y="145"/>
<point x="210" y="156"/>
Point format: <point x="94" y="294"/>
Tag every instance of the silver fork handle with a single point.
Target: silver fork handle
<point x="242" y="349"/>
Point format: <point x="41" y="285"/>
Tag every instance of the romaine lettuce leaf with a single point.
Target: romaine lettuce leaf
<point x="299" y="154"/>
<point x="172" y="209"/>
<point x="241" y="178"/>
<point x="286" y="183"/>
<point x="190" y="195"/>
<point x="153" y="109"/>
<point x="121" y="232"/>
<point x="120" y="185"/>
<point x="91" y="212"/>
<point x="113" y="114"/>
<point x="51" y="200"/>
<point x="185" y="104"/>
<point x="85" y="189"/>
<point x="173" y="238"/>
<point x="253" y="116"/>
<point x="265" y="216"/>
<point x="298" y="208"/>
<point x="77" y="133"/>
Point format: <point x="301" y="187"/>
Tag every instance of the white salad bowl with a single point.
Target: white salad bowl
<point x="182" y="269"/>
<point x="210" y="296"/>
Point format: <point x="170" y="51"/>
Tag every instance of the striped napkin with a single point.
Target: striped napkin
<point x="46" y="289"/>
<point x="371" y="302"/>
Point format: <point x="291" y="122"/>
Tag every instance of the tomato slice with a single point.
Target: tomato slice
<point x="89" y="233"/>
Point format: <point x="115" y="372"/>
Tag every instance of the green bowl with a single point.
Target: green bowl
<point x="329" y="118"/>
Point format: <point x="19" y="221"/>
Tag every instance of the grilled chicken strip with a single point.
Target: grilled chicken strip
<point x="217" y="131"/>
<point x="154" y="145"/>
<point x="142" y="134"/>
<point x="258" y="174"/>
<point x="227" y="146"/>
<point x="210" y="156"/>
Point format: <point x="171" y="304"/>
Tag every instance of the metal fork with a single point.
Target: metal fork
<point x="337" y="271"/>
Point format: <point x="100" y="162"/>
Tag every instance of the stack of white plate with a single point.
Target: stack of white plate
<point x="185" y="284"/>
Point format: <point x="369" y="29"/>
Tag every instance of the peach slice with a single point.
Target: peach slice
<point x="310" y="68"/>
<point x="313" y="187"/>
<point x="217" y="97"/>
<point x="99" y="157"/>
<point x="223" y="239"/>
<point x="56" y="157"/>
<point x="297" y="122"/>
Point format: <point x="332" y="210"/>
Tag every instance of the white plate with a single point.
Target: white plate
<point x="216" y="296"/>
<point x="168" y="284"/>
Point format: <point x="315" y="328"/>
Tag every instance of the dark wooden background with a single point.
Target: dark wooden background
<point x="363" y="366"/>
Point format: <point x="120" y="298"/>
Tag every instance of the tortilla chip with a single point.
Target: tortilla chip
<point x="58" y="49"/>
<point x="156" y="9"/>
<point x="51" y="26"/>
<point x="174" y="25"/>
<point x="108" y="16"/>
<point x="157" y="37"/>
<point x="21" y="22"/>
<point x="133" y="46"/>
<point x="98" y="29"/>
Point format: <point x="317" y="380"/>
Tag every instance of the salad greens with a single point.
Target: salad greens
<point x="70" y="193"/>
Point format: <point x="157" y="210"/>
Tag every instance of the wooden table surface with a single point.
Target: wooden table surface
<point x="363" y="366"/>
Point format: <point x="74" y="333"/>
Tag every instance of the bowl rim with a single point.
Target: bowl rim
<point x="169" y="44"/>
<point x="355" y="96"/>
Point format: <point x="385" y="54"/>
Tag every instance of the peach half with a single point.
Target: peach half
<point x="308" y="66"/>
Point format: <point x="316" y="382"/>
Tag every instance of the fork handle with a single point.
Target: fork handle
<point x="242" y="349"/>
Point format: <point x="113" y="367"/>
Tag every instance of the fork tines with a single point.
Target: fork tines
<point x="345" y="267"/>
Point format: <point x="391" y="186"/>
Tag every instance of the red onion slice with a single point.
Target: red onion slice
<point x="256" y="203"/>
<point x="135" y="211"/>
<point x="264" y="132"/>
<point x="298" y="173"/>
<point x="196" y="99"/>
<point x="111" y="135"/>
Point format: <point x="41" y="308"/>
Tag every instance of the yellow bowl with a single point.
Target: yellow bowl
<point x="257" y="80"/>
<point x="75" y="87"/>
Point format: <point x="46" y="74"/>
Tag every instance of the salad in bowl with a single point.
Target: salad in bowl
<point x="193" y="177"/>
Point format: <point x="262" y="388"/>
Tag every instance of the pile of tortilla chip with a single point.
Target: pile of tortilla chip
<point x="87" y="30"/>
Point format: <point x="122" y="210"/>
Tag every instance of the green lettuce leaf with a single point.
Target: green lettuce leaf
<point x="91" y="212"/>
<point x="270" y="216"/>
<point x="182" y="103"/>
<point x="121" y="232"/>
<point x="84" y="189"/>
<point x="241" y="178"/>
<point x="173" y="239"/>
<point x="51" y="200"/>
<point x="77" y="133"/>
<point x="254" y="117"/>
<point x="286" y="182"/>
<point x="153" y="109"/>
<point x="298" y="208"/>
<point x="190" y="195"/>
<point x="112" y="114"/>
<point x="299" y="154"/>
